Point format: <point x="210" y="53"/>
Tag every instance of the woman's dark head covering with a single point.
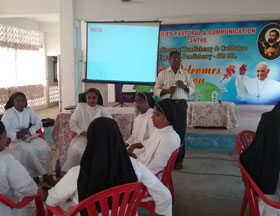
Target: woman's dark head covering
<point x="276" y="107"/>
<point x="148" y="98"/>
<point x="262" y="158"/>
<point x="2" y="128"/>
<point x="10" y="102"/>
<point x="97" y="92"/>
<point x="175" y="113"/>
<point x="105" y="162"/>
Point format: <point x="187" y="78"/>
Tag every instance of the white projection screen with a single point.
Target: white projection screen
<point x="122" y="52"/>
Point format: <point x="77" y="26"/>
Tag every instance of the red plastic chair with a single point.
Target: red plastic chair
<point x="73" y="134"/>
<point x="131" y="193"/>
<point x="253" y="192"/>
<point x="41" y="133"/>
<point x="166" y="179"/>
<point x="244" y="140"/>
<point x="40" y="211"/>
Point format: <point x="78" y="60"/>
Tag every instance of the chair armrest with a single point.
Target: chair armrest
<point x="56" y="211"/>
<point x="160" y="172"/>
<point x="16" y="205"/>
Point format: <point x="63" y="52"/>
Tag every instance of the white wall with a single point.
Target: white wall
<point x="177" y="11"/>
<point x="20" y="8"/>
<point x="67" y="73"/>
<point x="170" y="11"/>
<point x="52" y="40"/>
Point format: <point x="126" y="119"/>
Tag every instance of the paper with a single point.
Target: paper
<point x="29" y="138"/>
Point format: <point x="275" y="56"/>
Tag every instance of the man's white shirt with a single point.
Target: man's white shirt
<point x="168" y="78"/>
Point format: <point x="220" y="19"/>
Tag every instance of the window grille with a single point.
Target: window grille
<point x="19" y="38"/>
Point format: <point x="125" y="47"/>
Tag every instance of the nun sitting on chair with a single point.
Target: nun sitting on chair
<point x="79" y="122"/>
<point x="143" y="125"/>
<point x="164" y="140"/>
<point x="105" y="164"/>
<point x="262" y="160"/>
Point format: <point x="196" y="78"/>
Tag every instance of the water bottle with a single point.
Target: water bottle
<point x="214" y="96"/>
<point x="217" y="97"/>
<point x="197" y="95"/>
<point x="57" y="169"/>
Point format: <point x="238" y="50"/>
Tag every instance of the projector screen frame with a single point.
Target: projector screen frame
<point x="86" y="80"/>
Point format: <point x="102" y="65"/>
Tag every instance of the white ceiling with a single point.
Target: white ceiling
<point x="177" y="11"/>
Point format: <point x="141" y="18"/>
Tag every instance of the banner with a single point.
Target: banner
<point x="240" y="58"/>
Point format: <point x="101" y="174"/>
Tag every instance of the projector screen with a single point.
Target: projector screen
<point x="124" y="52"/>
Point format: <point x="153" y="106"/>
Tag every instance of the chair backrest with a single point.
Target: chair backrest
<point x="244" y="140"/>
<point x="167" y="170"/>
<point x="253" y="192"/>
<point x="125" y="200"/>
<point x="206" y="90"/>
<point x="40" y="211"/>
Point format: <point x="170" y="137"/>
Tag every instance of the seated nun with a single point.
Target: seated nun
<point x="143" y="125"/>
<point x="99" y="171"/>
<point x="79" y="122"/>
<point x="165" y="139"/>
<point x="15" y="181"/>
<point x="262" y="160"/>
<point x="32" y="152"/>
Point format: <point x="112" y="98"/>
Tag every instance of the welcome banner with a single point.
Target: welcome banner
<point x="216" y="52"/>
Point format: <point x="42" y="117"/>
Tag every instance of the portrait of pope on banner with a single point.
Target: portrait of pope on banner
<point x="261" y="89"/>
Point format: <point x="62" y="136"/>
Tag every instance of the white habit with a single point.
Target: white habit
<point x="266" y="210"/>
<point x="158" y="148"/>
<point x="15" y="183"/>
<point x="143" y="127"/>
<point x="79" y="122"/>
<point x="34" y="156"/>
<point x="252" y="89"/>
<point x="67" y="188"/>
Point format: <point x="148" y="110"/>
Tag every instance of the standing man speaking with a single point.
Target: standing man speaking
<point x="176" y="84"/>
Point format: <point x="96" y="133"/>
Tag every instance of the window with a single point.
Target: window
<point x="22" y="63"/>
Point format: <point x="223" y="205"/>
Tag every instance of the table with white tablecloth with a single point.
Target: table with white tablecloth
<point x="124" y="116"/>
<point x="209" y="114"/>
